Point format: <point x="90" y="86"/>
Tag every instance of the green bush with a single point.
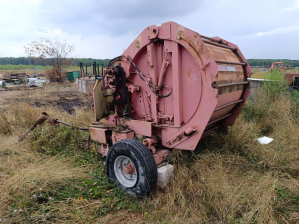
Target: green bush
<point x="276" y="85"/>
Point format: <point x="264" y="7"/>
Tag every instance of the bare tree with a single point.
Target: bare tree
<point x="51" y="52"/>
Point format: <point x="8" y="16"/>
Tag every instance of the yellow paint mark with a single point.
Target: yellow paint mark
<point x="180" y="34"/>
<point x="138" y="42"/>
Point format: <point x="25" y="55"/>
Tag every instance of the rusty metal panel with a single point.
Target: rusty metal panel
<point x="140" y="127"/>
<point x="161" y="155"/>
<point x="165" y="31"/>
<point x="120" y="135"/>
<point x="290" y="77"/>
<point x="98" y="135"/>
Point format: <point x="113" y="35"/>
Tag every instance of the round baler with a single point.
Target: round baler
<point x="170" y="88"/>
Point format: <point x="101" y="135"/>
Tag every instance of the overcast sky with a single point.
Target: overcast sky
<point x="105" y="28"/>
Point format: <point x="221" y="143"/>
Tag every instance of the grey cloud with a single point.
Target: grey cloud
<point x="241" y="18"/>
<point x="113" y="17"/>
<point x="102" y="27"/>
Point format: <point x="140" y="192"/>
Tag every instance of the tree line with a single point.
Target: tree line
<point x="29" y="61"/>
<point x="265" y="62"/>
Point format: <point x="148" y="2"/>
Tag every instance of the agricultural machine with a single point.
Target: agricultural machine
<point x="169" y="89"/>
<point x="292" y="78"/>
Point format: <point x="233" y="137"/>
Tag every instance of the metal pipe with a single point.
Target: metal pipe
<point x="227" y="105"/>
<point x="230" y="62"/>
<point x="56" y="121"/>
<point x="40" y="120"/>
<point x="190" y="131"/>
<point x="219" y="45"/>
<point x="233" y="84"/>
<point x="81" y="69"/>
<point x="23" y="135"/>
<point x="210" y="38"/>
<point x="64" y="123"/>
<point x="164" y="66"/>
<point x="219" y="119"/>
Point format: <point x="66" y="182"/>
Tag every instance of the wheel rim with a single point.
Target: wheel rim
<point x="125" y="171"/>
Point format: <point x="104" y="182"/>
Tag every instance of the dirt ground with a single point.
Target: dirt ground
<point x="63" y="97"/>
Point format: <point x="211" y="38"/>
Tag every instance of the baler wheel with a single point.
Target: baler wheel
<point x="131" y="165"/>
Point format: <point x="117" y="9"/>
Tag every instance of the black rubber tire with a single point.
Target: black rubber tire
<point x="143" y="161"/>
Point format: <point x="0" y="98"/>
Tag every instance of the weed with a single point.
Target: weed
<point x="229" y="178"/>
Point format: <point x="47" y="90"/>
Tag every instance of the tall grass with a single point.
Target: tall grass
<point x="232" y="178"/>
<point x="264" y="75"/>
<point x="229" y="178"/>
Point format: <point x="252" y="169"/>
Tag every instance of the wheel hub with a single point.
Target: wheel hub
<point x="125" y="171"/>
<point x="129" y="169"/>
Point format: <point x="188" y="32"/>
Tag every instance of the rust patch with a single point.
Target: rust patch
<point x="229" y="89"/>
<point x="138" y="42"/>
<point x="189" y="73"/>
<point x="224" y="41"/>
<point x="180" y="35"/>
<point x="192" y="50"/>
<point x="230" y="77"/>
<point x="198" y="46"/>
<point x="192" y="78"/>
<point x="195" y="50"/>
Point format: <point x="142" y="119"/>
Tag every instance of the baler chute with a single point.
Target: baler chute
<point x="171" y="87"/>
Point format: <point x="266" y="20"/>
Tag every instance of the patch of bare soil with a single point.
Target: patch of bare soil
<point x="63" y="100"/>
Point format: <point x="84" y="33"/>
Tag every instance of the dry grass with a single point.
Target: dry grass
<point x="228" y="179"/>
<point x="16" y="114"/>
<point x="21" y="116"/>
<point x="237" y="183"/>
<point x="259" y="75"/>
<point x="217" y="189"/>
<point x="233" y="179"/>
<point x="265" y="75"/>
<point x="6" y="73"/>
<point x="27" y="171"/>
<point x="23" y="172"/>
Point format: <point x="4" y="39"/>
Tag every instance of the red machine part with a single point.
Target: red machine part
<point x="170" y="88"/>
<point x="176" y="84"/>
